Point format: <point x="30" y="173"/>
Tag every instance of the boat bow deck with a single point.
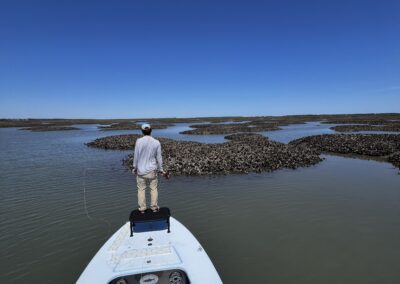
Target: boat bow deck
<point x="151" y="251"/>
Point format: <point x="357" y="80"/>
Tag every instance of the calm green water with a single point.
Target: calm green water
<point x="336" y="222"/>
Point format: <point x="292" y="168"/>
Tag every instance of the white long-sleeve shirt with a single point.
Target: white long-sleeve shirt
<point x="147" y="157"/>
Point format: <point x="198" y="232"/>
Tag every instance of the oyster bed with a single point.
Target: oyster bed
<point x="131" y="126"/>
<point x="207" y="129"/>
<point x="395" y="159"/>
<point x="244" y="153"/>
<point x="366" y="127"/>
<point x="376" y="145"/>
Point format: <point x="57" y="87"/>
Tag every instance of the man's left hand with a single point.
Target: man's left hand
<point x="165" y="174"/>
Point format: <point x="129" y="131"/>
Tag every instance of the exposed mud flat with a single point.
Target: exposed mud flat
<point x="377" y="145"/>
<point x="244" y="153"/>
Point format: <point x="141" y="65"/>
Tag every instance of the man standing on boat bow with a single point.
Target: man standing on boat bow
<point x="147" y="162"/>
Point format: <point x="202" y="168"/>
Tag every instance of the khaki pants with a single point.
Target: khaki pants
<point x="151" y="180"/>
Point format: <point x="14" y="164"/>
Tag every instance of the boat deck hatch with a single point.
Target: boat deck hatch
<point x="149" y="220"/>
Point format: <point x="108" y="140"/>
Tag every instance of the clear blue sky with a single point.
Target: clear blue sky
<point x="182" y="58"/>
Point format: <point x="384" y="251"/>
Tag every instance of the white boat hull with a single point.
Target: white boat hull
<point x="150" y="253"/>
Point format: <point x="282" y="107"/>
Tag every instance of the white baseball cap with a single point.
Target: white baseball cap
<point x="146" y="125"/>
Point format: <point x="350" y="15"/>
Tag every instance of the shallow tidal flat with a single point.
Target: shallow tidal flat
<point x="244" y="153"/>
<point x="386" y="146"/>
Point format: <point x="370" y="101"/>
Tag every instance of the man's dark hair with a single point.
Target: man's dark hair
<point x="146" y="131"/>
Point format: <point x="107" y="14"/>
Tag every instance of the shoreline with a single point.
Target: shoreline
<point x="261" y="121"/>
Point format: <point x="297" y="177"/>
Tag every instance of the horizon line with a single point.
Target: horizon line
<point x="195" y="117"/>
